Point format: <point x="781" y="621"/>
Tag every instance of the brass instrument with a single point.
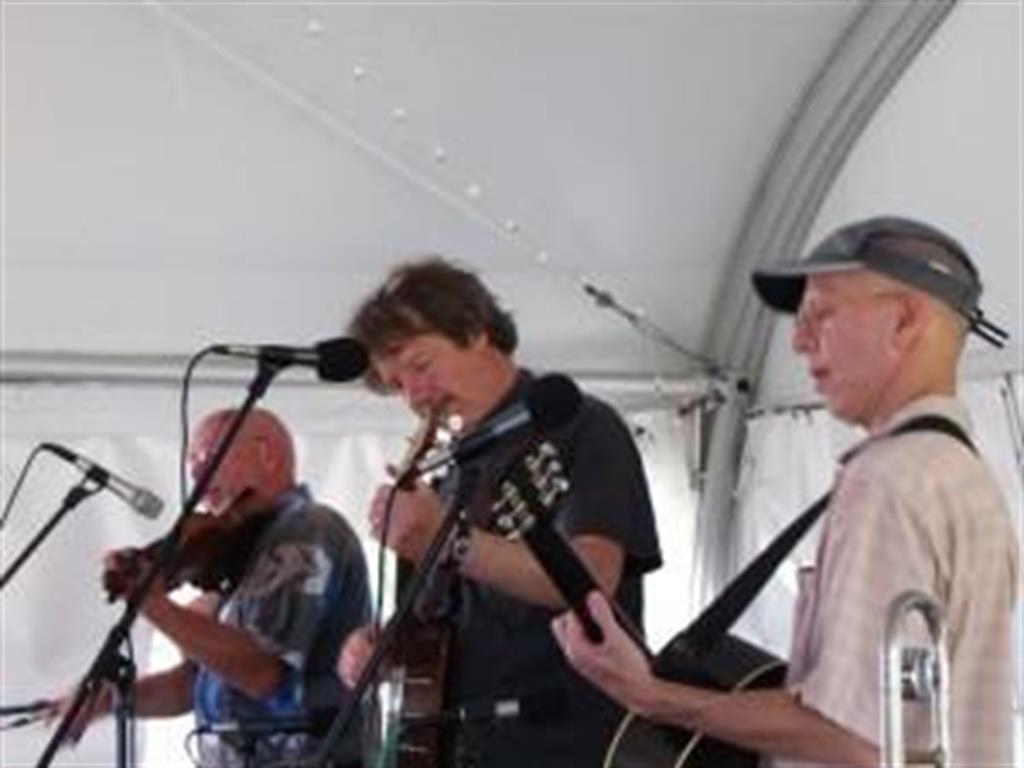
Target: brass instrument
<point x="918" y="675"/>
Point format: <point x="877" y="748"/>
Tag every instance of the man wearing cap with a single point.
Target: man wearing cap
<point x="882" y="309"/>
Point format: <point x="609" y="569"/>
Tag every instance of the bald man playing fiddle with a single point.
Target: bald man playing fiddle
<point x="260" y="657"/>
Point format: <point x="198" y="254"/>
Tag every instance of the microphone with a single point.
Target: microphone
<point x="145" y="502"/>
<point x="551" y="402"/>
<point x="340" y="359"/>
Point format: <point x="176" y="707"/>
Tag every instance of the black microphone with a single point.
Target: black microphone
<point x="340" y="359"/>
<point x="551" y="402"/>
<point x="144" y="502"/>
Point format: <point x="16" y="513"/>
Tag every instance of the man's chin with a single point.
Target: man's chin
<point x="844" y="411"/>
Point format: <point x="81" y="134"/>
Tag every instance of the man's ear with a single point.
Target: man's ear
<point x="268" y="457"/>
<point x="912" y="318"/>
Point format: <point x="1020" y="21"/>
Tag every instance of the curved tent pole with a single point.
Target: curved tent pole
<point x="873" y="53"/>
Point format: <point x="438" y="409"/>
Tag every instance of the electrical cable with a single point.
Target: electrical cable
<point x="18" y="483"/>
<point x="186" y="386"/>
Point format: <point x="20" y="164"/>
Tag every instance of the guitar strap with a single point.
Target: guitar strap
<point x="716" y="620"/>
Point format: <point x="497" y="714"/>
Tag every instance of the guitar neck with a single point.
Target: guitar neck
<point x="572" y="579"/>
<point x="529" y="492"/>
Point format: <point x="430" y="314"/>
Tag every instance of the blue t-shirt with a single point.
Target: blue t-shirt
<point x="304" y="589"/>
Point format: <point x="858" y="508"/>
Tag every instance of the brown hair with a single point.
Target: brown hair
<point x="431" y="295"/>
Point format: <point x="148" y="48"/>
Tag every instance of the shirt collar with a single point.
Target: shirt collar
<point x="515" y="393"/>
<point x="291" y="500"/>
<point x="934" y="405"/>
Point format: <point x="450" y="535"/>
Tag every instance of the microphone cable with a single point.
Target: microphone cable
<point x="28" y="714"/>
<point x="17" y="485"/>
<point x="21" y="722"/>
<point x="186" y="388"/>
<point x="190" y="745"/>
<point x="372" y="699"/>
<point x="402" y="478"/>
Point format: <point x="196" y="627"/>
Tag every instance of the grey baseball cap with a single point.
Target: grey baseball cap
<point x="906" y="250"/>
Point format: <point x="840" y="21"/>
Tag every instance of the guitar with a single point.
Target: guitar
<point x="404" y="733"/>
<point x="527" y="495"/>
<point x="731" y="665"/>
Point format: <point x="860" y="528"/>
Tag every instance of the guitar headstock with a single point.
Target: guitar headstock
<point x="419" y="445"/>
<point x="532" y="486"/>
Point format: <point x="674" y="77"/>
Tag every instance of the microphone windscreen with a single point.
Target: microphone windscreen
<point x="553" y="401"/>
<point x="341" y="359"/>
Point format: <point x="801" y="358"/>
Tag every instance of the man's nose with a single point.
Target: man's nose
<point x="416" y="387"/>
<point x="803" y="339"/>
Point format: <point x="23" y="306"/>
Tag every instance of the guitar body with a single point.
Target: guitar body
<point x="420" y="668"/>
<point x="733" y="664"/>
<point x="403" y="729"/>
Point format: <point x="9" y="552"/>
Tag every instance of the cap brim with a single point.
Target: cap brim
<point x="780" y="292"/>
<point x="782" y="288"/>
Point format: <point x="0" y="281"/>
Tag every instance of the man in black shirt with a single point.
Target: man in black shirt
<point x="438" y="338"/>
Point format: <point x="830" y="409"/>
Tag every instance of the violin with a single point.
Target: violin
<point x="213" y="551"/>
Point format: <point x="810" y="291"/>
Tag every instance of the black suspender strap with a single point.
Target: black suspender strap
<point x="936" y="424"/>
<point x="716" y="620"/>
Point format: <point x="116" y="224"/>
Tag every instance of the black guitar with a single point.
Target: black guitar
<point x="731" y="665"/>
<point x="528" y="493"/>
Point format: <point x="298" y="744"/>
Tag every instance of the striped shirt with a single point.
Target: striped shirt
<point x="916" y="511"/>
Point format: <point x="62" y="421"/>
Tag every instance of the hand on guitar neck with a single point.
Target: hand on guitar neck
<point x="405" y="520"/>
<point x="617" y="664"/>
<point x="404" y="515"/>
<point x="529" y="492"/>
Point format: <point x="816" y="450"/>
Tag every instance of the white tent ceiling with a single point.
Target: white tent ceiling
<point x="179" y="173"/>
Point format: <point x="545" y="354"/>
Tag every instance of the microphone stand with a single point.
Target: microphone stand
<point x="343" y="720"/>
<point x="82" y="490"/>
<point x="110" y="664"/>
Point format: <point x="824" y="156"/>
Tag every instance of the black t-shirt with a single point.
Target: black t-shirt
<point x="503" y="648"/>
